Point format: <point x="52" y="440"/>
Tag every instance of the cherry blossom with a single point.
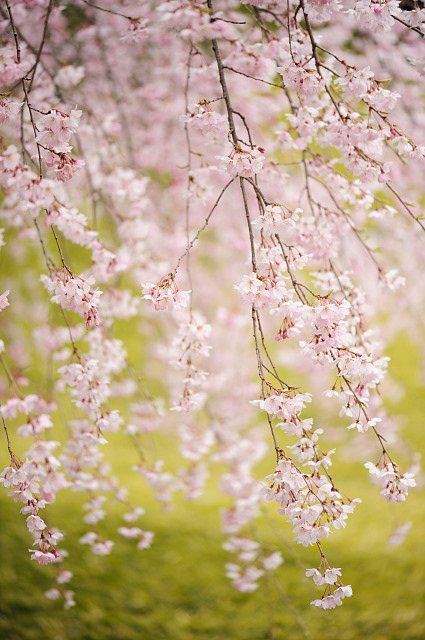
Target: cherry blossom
<point x="243" y="163"/>
<point x="56" y="129"/>
<point x="260" y="155"/>
<point x="204" y="118"/>
<point x="74" y="294"/>
<point x="395" y="486"/>
<point x="165" y="295"/>
<point x="4" y="302"/>
<point x="9" y="109"/>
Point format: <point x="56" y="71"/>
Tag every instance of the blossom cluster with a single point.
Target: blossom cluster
<point x="165" y="294"/>
<point x="55" y="131"/>
<point x="395" y="486"/>
<point x="35" y="483"/>
<point x="308" y="498"/>
<point x="243" y="163"/>
<point x="189" y="345"/>
<point x="74" y="294"/>
<point x="204" y="118"/>
<point x="245" y="579"/>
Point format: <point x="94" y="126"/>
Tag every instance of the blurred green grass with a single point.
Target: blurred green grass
<point x="177" y="590"/>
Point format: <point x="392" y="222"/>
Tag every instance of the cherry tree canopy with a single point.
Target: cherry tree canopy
<point x="241" y="184"/>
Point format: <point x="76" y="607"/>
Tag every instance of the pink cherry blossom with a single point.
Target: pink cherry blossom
<point x="165" y="295"/>
<point x="9" y="109"/>
<point x="74" y="294"/>
<point x="41" y="557"/>
<point x="266" y="163"/>
<point x="243" y="163"/>
<point x="4" y="302"/>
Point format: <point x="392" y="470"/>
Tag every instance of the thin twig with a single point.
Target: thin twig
<point x="198" y="233"/>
